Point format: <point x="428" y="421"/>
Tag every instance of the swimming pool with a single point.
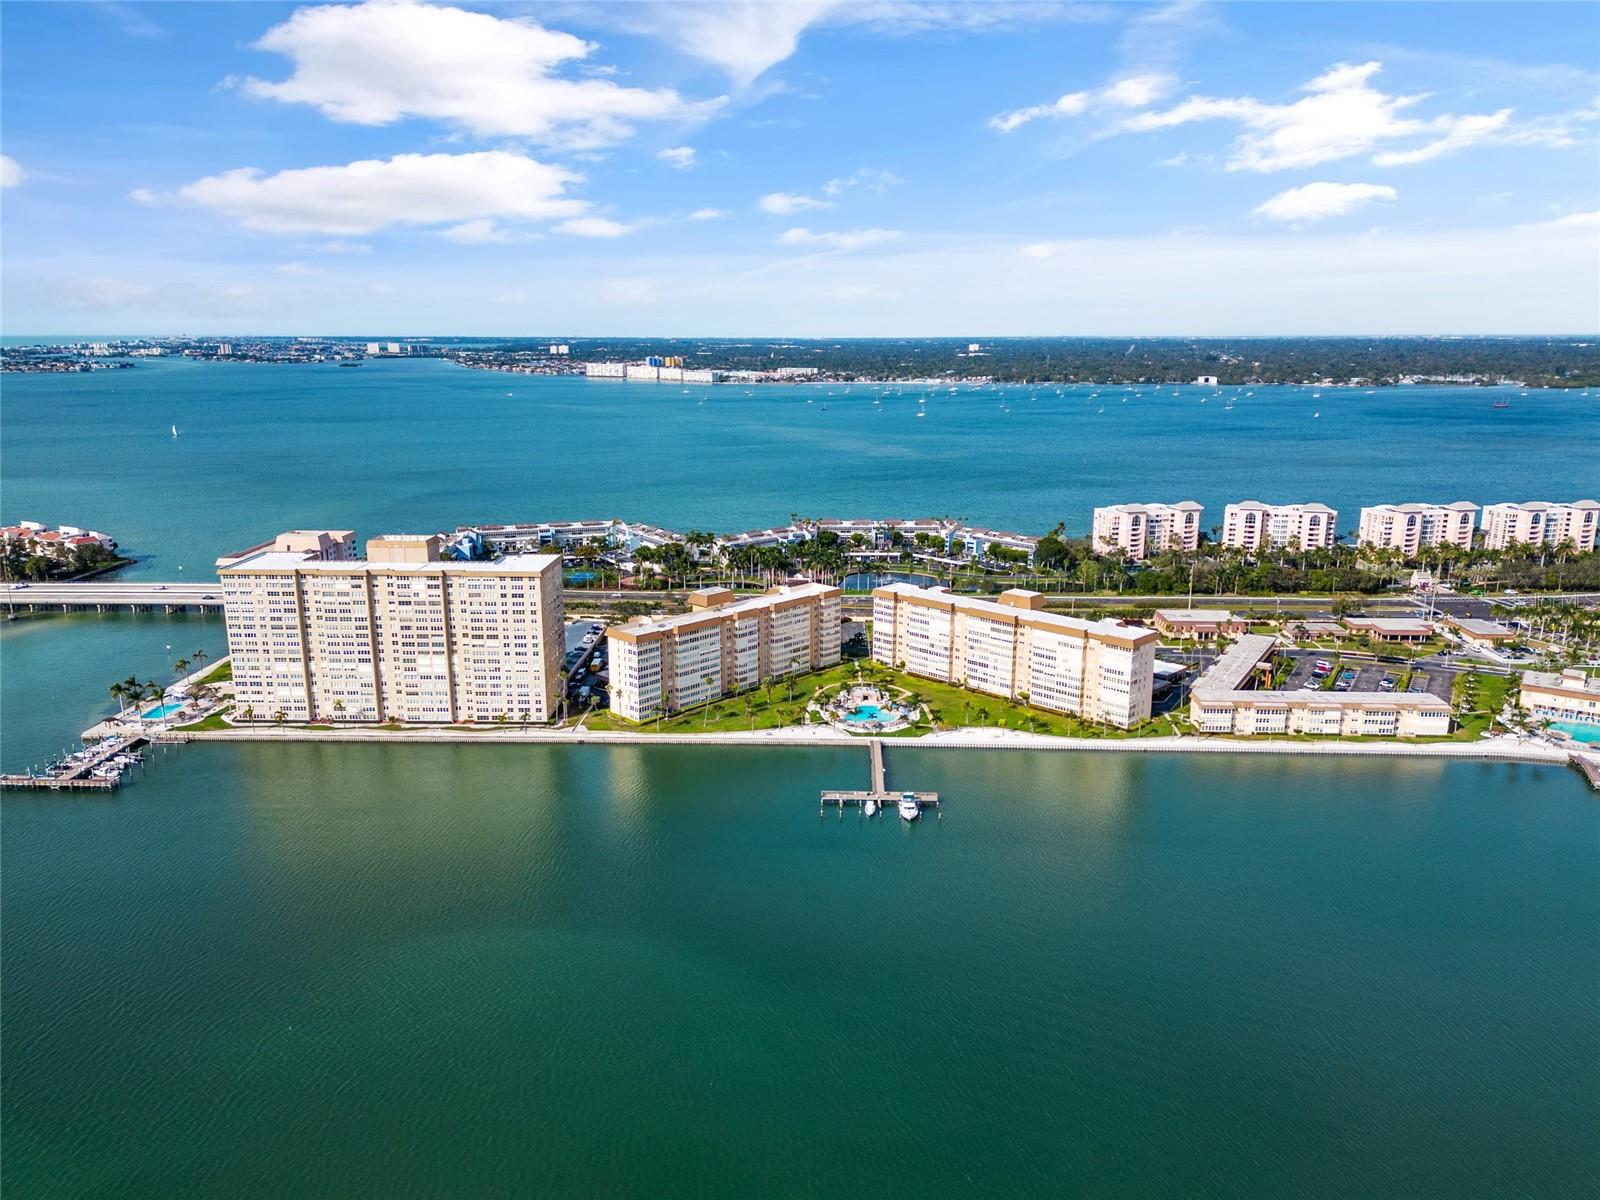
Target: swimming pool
<point x="161" y="710"/>
<point x="1578" y="731"/>
<point x="865" y="712"/>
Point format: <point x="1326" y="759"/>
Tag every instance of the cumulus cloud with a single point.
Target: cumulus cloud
<point x="708" y="214"/>
<point x="843" y="239"/>
<point x="1341" y="116"/>
<point x="681" y="157"/>
<point x="782" y="204"/>
<point x="1130" y="91"/>
<point x="408" y="189"/>
<point x="384" y="60"/>
<point x="594" y="227"/>
<point x="1318" y="201"/>
<point x="10" y="171"/>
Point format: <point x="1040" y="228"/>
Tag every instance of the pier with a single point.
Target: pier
<point x="879" y="792"/>
<point x="1589" y="766"/>
<point x="79" y="776"/>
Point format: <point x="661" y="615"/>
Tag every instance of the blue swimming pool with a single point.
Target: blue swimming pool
<point x="864" y="712"/>
<point x="161" y="710"/>
<point x="1578" y="731"/>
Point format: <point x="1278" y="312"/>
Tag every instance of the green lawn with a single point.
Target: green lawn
<point x="1483" y="696"/>
<point x="208" y="722"/>
<point x="748" y="710"/>
<point x="221" y="673"/>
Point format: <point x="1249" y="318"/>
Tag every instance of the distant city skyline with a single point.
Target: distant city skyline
<point x="808" y="169"/>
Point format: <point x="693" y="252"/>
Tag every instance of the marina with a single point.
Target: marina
<point x="98" y="768"/>
<point x="878" y="798"/>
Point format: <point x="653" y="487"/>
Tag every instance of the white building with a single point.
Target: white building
<point x="1225" y="700"/>
<point x="1252" y="525"/>
<point x="401" y="636"/>
<point x="1206" y="381"/>
<point x="1410" y="528"/>
<point x="1540" y="522"/>
<point x="1011" y="647"/>
<point x="1573" y="695"/>
<point x="721" y="646"/>
<point x="1141" y="530"/>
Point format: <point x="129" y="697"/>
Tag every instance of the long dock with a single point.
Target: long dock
<point x="879" y="792"/>
<point x="79" y="777"/>
<point x="1589" y="766"/>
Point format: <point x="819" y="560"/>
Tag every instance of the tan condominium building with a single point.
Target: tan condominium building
<point x="1252" y="525"/>
<point x="324" y="545"/>
<point x="1411" y="528"/>
<point x="401" y="636"/>
<point x="1011" y="647"/>
<point x="1541" y="523"/>
<point x="720" y="646"/>
<point x="1573" y="695"/>
<point x="1225" y="699"/>
<point x="1140" y="530"/>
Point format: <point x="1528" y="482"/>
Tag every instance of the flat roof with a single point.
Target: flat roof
<point x="1390" y="624"/>
<point x="1481" y="627"/>
<point x="1220" y="684"/>
<point x="1104" y="628"/>
<point x="1205" y="615"/>
<point x="283" y="560"/>
<point x="783" y="594"/>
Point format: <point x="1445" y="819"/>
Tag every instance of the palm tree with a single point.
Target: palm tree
<point x="338" y="708"/>
<point x="280" y="717"/>
<point x="119" y="693"/>
<point x="181" y="667"/>
<point x="709" y="680"/>
<point x="249" y="713"/>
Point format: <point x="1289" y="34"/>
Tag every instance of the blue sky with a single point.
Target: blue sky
<point x="817" y="169"/>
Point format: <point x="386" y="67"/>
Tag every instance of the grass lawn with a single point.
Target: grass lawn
<point x="1484" y="696"/>
<point x="221" y="673"/>
<point x="731" y="713"/>
<point x="208" y="722"/>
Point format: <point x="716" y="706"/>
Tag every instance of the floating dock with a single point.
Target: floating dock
<point x="879" y="792"/>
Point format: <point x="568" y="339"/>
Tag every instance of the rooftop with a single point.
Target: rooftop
<point x="1022" y="601"/>
<point x="279" y="560"/>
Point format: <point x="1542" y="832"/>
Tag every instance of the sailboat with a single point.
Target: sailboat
<point x="174" y="431"/>
<point x="921" y="410"/>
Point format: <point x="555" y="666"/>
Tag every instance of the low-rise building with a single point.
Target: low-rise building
<point x="1199" y="624"/>
<point x="1390" y="629"/>
<point x="1573" y="695"/>
<point x="1141" y="530"/>
<point x="1485" y="635"/>
<point x="37" y="538"/>
<point x="1226" y="699"/>
<point x="402" y="635"/>
<point x="1541" y="523"/>
<point x="1410" y="528"/>
<point x="1252" y="525"/>
<point x="722" y="645"/>
<point x="1011" y="647"/>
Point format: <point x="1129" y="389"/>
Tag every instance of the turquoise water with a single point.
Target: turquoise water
<point x="1578" y="731"/>
<point x="422" y="444"/>
<point x="864" y="712"/>
<point x="161" y="710"/>
<point x="315" y="971"/>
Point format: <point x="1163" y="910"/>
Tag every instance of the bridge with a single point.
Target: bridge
<point x="107" y="596"/>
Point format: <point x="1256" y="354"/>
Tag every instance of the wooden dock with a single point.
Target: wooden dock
<point x="1589" y="766"/>
<point x="879" y="792"/>
<point x="80" y="777"/>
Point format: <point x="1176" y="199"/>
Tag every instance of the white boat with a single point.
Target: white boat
<point x="910" y="810"/>
<point x="870" y="808"/>
<point x="174" y="431"/>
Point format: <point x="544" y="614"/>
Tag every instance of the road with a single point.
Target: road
<point x="114" y="595"/>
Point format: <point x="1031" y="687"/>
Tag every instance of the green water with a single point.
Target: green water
<point x="312" y="971"/>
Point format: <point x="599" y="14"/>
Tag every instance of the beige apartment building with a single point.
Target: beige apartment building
<point x="722" y="645"/>
<point x="401" y="636"/>
<point x="1252" y="525"/>
<point x="1011" y="647"/>
<point x="1226" y="700"/>
<point x="1573" y="695"/>
<point x="1541" y="523"/>
<point x="323" y="545"/>
<point x="1141" y="530"/>
<point x="1411" y="528"/>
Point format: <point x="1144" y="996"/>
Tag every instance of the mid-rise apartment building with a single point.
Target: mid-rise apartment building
<point x="1141" y="530"/>
<point x="400" y="636"/>
<point x="1252" y="525"/>
<point x="1226" y="700"/>
<point x="1011" y="647"/>
<point x="1541" y="523"/>
<point x="1411" y="528"/>
<point x="722" y="645"/>
<point x="1573" y="695"/>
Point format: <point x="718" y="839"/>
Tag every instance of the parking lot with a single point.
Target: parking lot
<point x="586" y="663"/>
<point x="1368" y="676"/>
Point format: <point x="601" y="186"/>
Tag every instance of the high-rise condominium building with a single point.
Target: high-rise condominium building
<point x="1410" y="528"/>
<point x="401" y="636"/>
<point x="1099" y="670"/>
<point x="1539" y="522"/>
<point x="1252" y="525"/>
<point x="1141" y="530"/>
<point x="720" y="646"/>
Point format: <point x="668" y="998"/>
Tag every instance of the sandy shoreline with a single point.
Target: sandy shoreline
<point x="1505" y="749"/>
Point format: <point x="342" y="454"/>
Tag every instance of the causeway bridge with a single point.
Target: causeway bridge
<point x="95" y="596"/>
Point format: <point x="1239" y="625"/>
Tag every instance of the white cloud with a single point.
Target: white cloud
<point x="1130" y="91"/>
<point x="11" y="173"/>
<point x="1318" y="201"/>
<point x="708" y="214"/>
<point x="681" y="157"/>
<point x="479" y="232"/>
<point x="1137" y="91"/>
<point x="783" y="204"/>
<point x="594" y="227"/>
<point x="339" y="246"/>
<point x="384" y="60"/>
<point x="1070" y="105"/>
<point x="844" y="239"/>
<point x="297" y="269"/>
<point x="873" y="179"/>
<point x="1342" y="116"/>
<point x="408" y="189"/>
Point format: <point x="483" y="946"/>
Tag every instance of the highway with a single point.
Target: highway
<point x="109" y="595"/>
